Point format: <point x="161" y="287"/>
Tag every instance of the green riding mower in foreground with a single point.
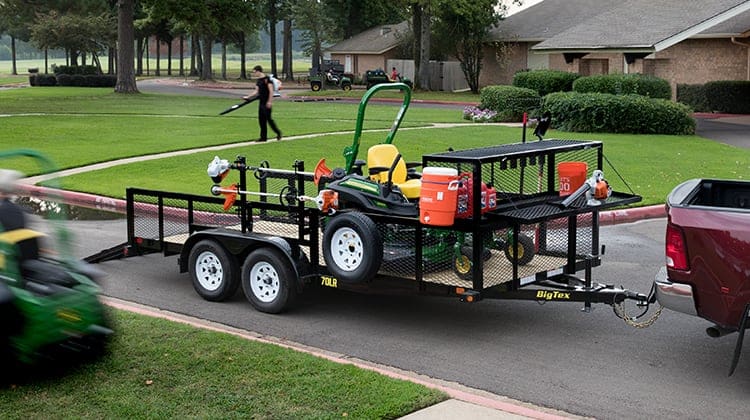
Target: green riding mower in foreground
<point x="49" y="302"/>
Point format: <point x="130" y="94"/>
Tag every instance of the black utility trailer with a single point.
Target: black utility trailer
<point x="273" y="242"/>
<point x="514" y="236"/>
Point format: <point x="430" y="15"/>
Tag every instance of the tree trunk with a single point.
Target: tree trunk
<point x="287" y="67"/>
<point x="416" y="23"/>
<point x="125" y="59"/>
<point x="243" y="53"/>
<point x="157" y="72"/>
<point x="223" y="60"/>
<point x="169" y="57"/>
<point x="272" y="33"/>
<point x="13" y="54"/>
<point x="424" y="50"/>
<point x="182" y="55"/>
<point x="139" y="63"/>
<point x="207" y="72"/>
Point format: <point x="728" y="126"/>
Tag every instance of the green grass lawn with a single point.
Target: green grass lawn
<point x="78" y="126"/>
<point x="163" y="369"/>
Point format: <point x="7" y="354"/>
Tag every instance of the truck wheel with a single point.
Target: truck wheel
<point x="268" y="281"/>
<point x="525" y="249"/>
<point x="213" y="270"/>
<point x="352" y="247"/>
<point x="315" y="86"/>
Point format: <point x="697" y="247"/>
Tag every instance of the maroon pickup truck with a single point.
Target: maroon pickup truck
<point x="707" y="271"/>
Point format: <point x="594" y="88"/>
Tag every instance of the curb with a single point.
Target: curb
<point x="115" y="205"/>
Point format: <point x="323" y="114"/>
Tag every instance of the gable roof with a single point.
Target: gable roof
<point x="375" y="40"/>
<point x="547" y="19"/>
<point x="636" y="26"/>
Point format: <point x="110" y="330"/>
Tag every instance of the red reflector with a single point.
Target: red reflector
<point x="675" y="248"/>
<point x="139" y="240"/>
<point x="725" y="290"/>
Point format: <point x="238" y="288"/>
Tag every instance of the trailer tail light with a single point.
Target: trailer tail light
<point x="676" y="250"/>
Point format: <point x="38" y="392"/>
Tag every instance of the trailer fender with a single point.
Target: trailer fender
<point x="240" y="245"/>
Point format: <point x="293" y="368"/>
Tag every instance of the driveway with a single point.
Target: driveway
<point x="729" y="129"/>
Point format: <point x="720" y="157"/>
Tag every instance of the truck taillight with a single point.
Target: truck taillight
<point x="676" y="250"/>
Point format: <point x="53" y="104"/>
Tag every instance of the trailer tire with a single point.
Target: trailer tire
<point x="352" y="247"/>
<point x="268" y="281"/>
<point x="525" y="250"/>
<point x="213" y="271"/>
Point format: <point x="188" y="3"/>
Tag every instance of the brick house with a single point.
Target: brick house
<point x="371" y="49"/>
<point x="682" y="41"/>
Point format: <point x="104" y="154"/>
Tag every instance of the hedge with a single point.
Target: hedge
<point x="85" y="70"/>
<point x="602" y="112"/>
<point x="730" y="96"/>
<point x="101" y="80"/>
<point x="39" y="79"/>
<point x="545" y="81"/>
<point x="624" y="84"/>
<point x="509" y="102"/>
<point x="693" y="96"/>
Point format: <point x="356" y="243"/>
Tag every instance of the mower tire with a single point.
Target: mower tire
<point x="352" y="247"/>
<point x="213" y="271"/>
<point x="525" y="250"/>
<point x="347" y="87"/>
<point x="268" y="281"/>
<point x="315" y="86"/>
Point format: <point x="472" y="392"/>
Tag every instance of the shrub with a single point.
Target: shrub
<point x="624" y="84"/>
<point x="101" y="80"/>
<point x="730" y="96"/>
<point x="75" y="69"/>
<point x="509" y="102"/>
<point x="43" y="80"/>
<point x="602" y="112"/>
<point x="545" y="81"/>
<point x="693" y="96"/>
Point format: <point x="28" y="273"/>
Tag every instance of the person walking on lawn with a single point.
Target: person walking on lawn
<point x="264" y="90"/>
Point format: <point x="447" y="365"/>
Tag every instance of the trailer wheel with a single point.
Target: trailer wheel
<point x="213" y="270"/>
<point x="525" y="250"/>
<point x="352" y="247"/>
<point x="268" y="281"/>
<point x="462" y="264"/>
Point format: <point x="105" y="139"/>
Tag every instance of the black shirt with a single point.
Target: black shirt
<point x="263" y="91"/>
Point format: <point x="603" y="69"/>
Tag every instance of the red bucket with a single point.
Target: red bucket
<point x="571" y="176"/>
<point x="437" y="198"/>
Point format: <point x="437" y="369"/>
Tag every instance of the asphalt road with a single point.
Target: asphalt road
<point x="552" y="355"/>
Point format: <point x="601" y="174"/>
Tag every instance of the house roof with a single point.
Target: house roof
<point x="640" y="26"/>
<point x="375" y="40"/>
<point x="547" y="19"/>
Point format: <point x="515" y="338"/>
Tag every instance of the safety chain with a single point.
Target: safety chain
<point x="620" y="312"/>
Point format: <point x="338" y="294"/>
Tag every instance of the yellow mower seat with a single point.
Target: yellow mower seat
<point x="380" y="158"/>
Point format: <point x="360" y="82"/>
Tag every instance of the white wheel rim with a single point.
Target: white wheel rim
<point x="209" y="271"/>
<point x="347" y="249"/>
<point x="264" y="282"/>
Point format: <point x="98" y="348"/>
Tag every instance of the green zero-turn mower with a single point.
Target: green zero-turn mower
<point x="49" y="302"/>
<point x="379" y="191"/>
